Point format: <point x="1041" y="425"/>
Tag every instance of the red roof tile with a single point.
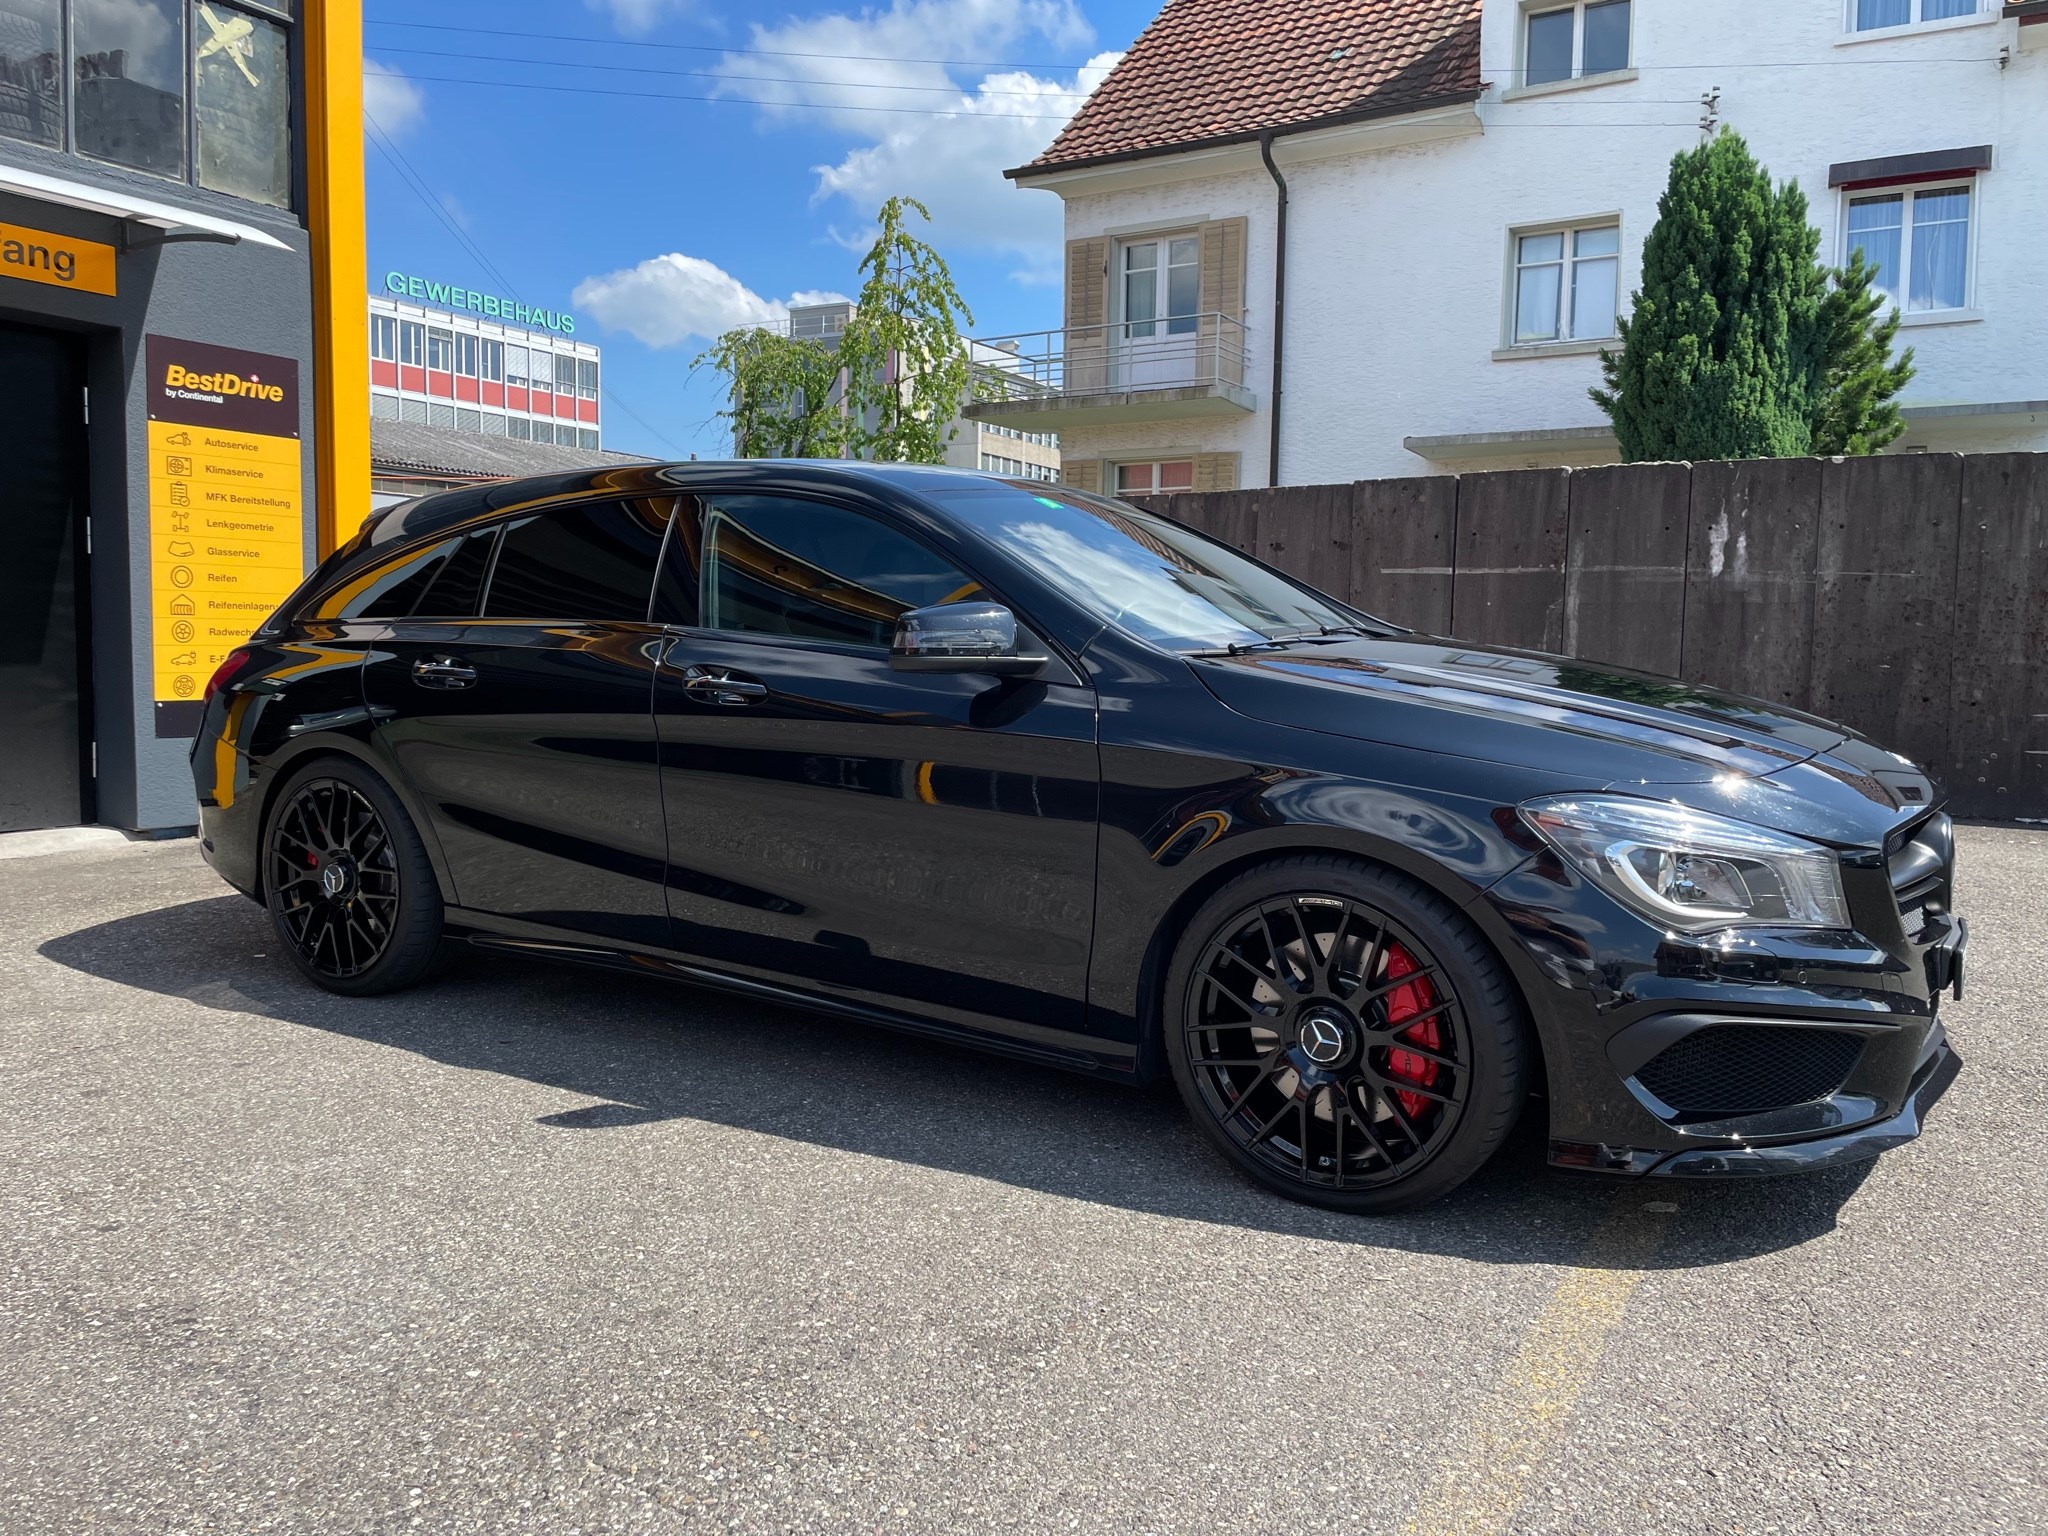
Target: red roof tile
<point x="1209" y="70"/>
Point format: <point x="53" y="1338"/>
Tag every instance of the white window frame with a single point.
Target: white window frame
<point x="1910" y="191"/>
<point x="412" y="344"/>
<point x="1510" y="323"/>
<point x="1531" y="9"/>
<point x="1117" y="468"/>
<point x="1986" y="10"/>
<point x="1162" y="280"/>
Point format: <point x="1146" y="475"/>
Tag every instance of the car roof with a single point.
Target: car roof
<point x="448" y="509"/>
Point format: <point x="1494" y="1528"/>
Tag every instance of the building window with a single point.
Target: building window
<point x="1161" y="281"/>
<point x="586" y="437"/>
<point x="1567" y="284"/>
<point x="515" y="367"/>
<point x="519" y="428"/>
<point x="586" y="377"/>
<point x="440" y="350"/>
<point x="128" y="104"/>
<point x="242" y="104"/>
<point x="1570" y="42"/>
<point x="384" y="338"/>
<point x="466" y="349"/>
<point x="1918" y="239"/>
<point x="565" y="375"/>
<point x="1155" y="475"/>
<point x="540" y="368"/>
<point x="111" y="79"/>
<point x="494" y="364"/>
<point x="32" y="71"/>
<point x="1870" y="15"/>
<point x="412" y="343"/>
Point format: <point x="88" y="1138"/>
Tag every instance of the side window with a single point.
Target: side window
<point x="457" y="590"/>
<point x="591" y="562"/>
<point x="778" y="566"/>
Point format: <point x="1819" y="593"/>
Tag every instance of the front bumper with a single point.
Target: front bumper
<point x="1929" y="1084"/>
<point x="1740" y="1054"/>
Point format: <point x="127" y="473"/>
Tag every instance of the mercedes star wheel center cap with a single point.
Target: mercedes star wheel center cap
<point x="1322" y="1039"/>
<point x="333" y="880"/>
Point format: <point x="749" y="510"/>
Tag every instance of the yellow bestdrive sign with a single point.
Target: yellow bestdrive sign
<point x="226" y="510"/>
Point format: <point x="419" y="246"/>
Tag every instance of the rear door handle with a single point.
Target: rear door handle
<point x="720" y="685"/>
<point x="442" y="672"/>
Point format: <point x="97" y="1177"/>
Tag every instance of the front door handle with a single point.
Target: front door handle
<point x="720" y="685"/>
<point x="442" y="672"/>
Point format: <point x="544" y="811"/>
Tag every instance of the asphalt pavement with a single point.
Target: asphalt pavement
<point x="548" y="1250"/>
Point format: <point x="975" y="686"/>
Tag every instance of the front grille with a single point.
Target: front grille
<point x="1734" y="1069"/>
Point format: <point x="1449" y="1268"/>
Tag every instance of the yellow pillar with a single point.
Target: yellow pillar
<point x="332" y="33"/>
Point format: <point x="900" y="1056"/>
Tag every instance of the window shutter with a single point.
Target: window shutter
<point x="1219" y="351"/>
<point x="1222" y="278"/>
<point x="1215" y="471"/>
<point x="1081" y="474"/>
<point x="1087" y="341"/>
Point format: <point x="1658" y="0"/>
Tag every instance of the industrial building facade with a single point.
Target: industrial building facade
<point x="181" y="370"/>
<point x="476" y="372"/>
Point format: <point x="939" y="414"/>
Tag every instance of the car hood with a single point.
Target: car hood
<point x="1592" y="724"/>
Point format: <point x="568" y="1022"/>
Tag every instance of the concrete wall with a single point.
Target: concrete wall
<point x="246" y="296"/>
<point x="1399" y="264"/>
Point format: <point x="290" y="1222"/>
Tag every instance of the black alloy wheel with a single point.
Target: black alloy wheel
<point x="1347" y="1041"/>
<point x="349" y="887"/>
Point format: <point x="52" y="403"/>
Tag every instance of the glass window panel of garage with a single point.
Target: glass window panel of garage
<point x="192" y="90"/>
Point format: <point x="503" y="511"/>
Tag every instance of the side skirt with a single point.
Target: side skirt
<point x="485" y="931"/>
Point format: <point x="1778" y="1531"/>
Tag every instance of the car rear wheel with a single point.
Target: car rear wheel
<point x="1343" y="1035"/>
<point x="350" y="889"/>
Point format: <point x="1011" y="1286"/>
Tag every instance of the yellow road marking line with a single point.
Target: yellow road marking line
<point x="1483" y="1482"/>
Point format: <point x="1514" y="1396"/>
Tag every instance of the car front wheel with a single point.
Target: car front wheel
<point x="1343" y="1035"/>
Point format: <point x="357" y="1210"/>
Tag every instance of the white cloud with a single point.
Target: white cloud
<point x="638" y="16"/>
<point x="391" y="101"/>
<point x="667" y="300"/>
<point x="951" y="151"/>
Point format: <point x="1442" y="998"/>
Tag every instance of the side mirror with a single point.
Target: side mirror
<point x="960" y="637"/>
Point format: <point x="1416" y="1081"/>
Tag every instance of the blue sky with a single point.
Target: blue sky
<point x="588" y="185"/>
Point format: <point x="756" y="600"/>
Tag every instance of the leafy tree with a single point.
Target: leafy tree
<point x="907" y="369"/>
<point x="1739" y="346"/>
<point x="1858" y="411"/>
<point x="782" y="395"/>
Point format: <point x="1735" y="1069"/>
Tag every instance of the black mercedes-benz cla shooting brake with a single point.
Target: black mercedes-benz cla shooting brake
<point x="1010" y="764"/>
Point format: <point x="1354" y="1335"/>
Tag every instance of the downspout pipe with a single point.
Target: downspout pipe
<point x="1279" y="302"/>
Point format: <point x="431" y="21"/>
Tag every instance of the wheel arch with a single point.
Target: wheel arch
<point x="1461" y="896"/>
<point x="311" y="749"/>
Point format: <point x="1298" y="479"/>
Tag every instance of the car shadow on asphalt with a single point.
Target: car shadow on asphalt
<point x="646" y="1051"/>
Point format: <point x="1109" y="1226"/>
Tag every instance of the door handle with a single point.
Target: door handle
<point x="442" y="672"/>
<point x="718" y="685"/>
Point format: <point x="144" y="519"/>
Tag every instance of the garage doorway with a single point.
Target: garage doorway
<point x="45" y="769"/>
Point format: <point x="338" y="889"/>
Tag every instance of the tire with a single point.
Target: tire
<point x="350" y="889"/>
<point x="1343" y="1035"/>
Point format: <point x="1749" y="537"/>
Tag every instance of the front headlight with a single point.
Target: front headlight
<point x="1691" y="871"/>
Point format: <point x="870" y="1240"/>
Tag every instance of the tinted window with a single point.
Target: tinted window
<point x="456" y="592"/>
<point x="592" y="562"/>
<point x="1152" y="578"/>
<point x="388" y="590"/>
<point x="804" y="568"/>
<point x="242" y="99"/>
<point x="129" y="102"/>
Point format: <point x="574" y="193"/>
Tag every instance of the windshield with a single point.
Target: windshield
<point x="1150" y="577"/>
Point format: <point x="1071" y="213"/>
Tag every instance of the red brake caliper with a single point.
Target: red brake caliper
<point x="1404" y="1003"/>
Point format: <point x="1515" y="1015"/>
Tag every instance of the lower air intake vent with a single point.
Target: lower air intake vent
<point x="1733" y="1069"/>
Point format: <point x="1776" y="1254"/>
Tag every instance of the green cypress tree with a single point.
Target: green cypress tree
<point x="1858" y="410"/>
<point x="1721" y="357"/>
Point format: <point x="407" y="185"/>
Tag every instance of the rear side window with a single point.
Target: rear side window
<point x="386" y="590"/>
<point x="593" y="562"/>
<point x="457" y="589"/>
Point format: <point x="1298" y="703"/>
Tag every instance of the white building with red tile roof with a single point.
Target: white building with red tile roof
<point x="1330" y="240"/>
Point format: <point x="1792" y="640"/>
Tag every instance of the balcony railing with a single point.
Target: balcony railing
<point x="1196" y="357"/>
